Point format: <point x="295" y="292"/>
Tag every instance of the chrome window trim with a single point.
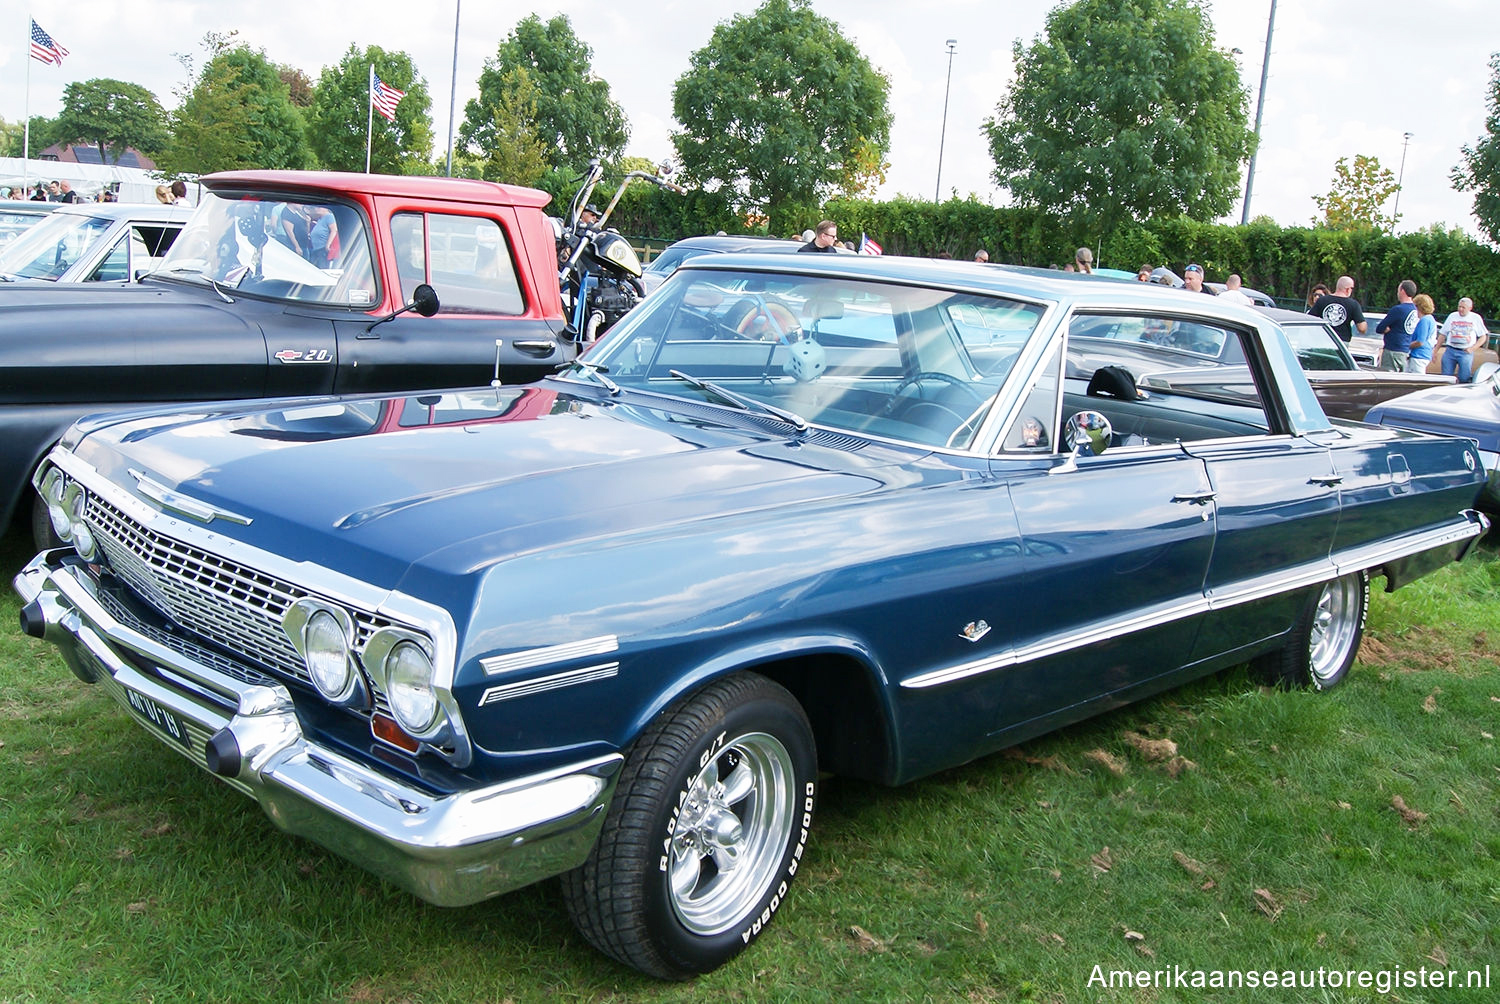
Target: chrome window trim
<point x="557" y="681"/>
<point x="533" y="657"/>
<point x="1261" y="587"/>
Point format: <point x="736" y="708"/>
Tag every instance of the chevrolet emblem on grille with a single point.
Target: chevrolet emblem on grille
<point x="181" y="504"/>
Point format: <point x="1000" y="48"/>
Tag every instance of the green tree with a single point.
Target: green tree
<point x="1359" y="190"/>
<point x="340" y="112"/>
<point x="1123" y="112"/>
<point x="1480" y="171"/>
<point x="515" y="155"/>
<point x="112" y="115"/>
<point x="783" y="111"/>
<point x="575" y="117"/>
<point x="12" y="137"/>
<point x="237" y="114"/>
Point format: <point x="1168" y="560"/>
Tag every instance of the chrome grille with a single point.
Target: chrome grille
<point x="229" y="604"/>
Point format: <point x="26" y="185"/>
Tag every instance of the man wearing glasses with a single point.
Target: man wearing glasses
<point x="824" y="240"/>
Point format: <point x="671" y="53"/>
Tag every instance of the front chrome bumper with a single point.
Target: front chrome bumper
<point x="449" y="849"/>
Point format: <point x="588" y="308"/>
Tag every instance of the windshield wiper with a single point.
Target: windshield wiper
<point x="597" y="371"/>
<point x="744" y="403"/>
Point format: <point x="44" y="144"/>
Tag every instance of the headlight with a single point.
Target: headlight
<point x="327" y="656"/>
<point x="54" y="488"/>
<point x="83" y="537"/>
<point x="408" y="674"/>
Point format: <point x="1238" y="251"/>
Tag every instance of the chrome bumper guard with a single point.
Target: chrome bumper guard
<point x="451" y="850"/>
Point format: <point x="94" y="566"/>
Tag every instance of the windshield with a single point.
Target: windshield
<point x="14" y="222"/>
<point x="900" y="362"/>
<point x="290" y="248"/>
<point x="50" y="248"/>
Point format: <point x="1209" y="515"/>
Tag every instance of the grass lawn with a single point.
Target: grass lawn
<point x="1220" y="827"/>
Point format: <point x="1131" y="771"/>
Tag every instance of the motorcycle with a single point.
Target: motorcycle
<point x="599" y="273"/>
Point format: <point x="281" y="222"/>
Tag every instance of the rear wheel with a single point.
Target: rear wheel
<point x="704" y="834"/>
<point x="1325" y="639"/>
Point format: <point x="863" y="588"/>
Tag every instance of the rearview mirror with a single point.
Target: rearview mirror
<point x="1088" y="434"/>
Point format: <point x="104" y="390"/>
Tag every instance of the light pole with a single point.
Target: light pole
<point x="1260" y="104"/>
<point x="1396" y="212"/>
<point x="453" y="87"/>
<point x="942" y="136"/>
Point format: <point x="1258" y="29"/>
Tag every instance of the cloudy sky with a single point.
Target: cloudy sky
<point x="1347" y="77"/>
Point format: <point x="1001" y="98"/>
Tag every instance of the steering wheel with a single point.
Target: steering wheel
<point x="769" y="321"/>
<point x="921" y="375"/>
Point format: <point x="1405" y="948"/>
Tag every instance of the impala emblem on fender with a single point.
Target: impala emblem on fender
<point x="974" y="630"/>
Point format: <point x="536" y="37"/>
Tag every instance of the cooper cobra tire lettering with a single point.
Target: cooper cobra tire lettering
<point x="706" y="830"/>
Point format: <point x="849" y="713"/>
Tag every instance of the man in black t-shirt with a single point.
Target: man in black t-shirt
<point x="824" y="240"/>
<point x="1340" y="310"/>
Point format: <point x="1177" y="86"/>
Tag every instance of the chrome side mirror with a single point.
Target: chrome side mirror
<point x="1087" y="434"/>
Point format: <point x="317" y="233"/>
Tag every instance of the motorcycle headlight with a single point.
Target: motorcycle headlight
<point x="327" y="654"/>
<point x="408" y="674"/>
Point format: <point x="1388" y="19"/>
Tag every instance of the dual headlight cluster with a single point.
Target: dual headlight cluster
<point x="399" y="661"/>
<point x="66" y="502"/>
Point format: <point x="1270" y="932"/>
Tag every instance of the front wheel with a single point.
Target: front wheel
<point x="1325" y="639"/>
<point x="705" y="832"/>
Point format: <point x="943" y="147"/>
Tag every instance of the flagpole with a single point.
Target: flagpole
<point x="369" y="116"/>
<point x="26" y="139"/>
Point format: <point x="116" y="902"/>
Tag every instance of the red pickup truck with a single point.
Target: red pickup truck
<point x="285" y="283"/>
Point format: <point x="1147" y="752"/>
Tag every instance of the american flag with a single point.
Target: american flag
<point x="867" y="245"/>
<point x="385" y="97"/>
<point x="43" y="48"/>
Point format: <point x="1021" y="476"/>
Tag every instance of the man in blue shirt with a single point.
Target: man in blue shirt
<point x="1396" y="330"/>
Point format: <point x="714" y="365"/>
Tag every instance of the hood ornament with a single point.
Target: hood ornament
<point x="183" y="505"/>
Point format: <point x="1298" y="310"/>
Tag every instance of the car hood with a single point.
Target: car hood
<point x="343" y="483"/>
<point x="1470" y="410"/>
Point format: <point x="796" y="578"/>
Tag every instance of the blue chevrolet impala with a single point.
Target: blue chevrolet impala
<point x="796" y="514"/>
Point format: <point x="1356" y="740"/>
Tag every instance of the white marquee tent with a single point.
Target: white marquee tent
<point x="133" y="184"/>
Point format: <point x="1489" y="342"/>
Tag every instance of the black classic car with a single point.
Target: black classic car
<point x="1471" y="410"/>
<point x="795" y="514"/>
<point x="287" y="283"/>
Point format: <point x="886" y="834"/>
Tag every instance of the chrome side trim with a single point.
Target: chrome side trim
<point x="532" y="657"/>
<point x="1261" y="587"/>
<point x="526" y="688"/>
<point x="184" y="505"/>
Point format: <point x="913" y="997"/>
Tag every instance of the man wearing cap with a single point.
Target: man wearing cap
<point x="1192" y="279"/>
<point x="1340" y="310"/>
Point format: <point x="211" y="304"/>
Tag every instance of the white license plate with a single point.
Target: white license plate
<point x="156" y="717"/>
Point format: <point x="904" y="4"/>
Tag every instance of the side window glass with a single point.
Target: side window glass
<point x="116" y="265"/>
<point x="1161" y="380"/>
<point x="410" y="242"/>
<point x="471" y="266"/>
<point x="1034" y="428"/>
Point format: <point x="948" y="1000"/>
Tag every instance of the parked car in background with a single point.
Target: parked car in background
<point x="1257" y="298"/>
<point x="1471" y="410"/>
<point x="1171" y="352"/>
<point x="689" y="248"/>
<point x="287" y="282"/>
<point x="615" y="626"/>
<point x="18" y="216"/>
<point x="93" y="242"/>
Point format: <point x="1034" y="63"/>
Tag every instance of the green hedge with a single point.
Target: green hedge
<point x="1281" y="261"/>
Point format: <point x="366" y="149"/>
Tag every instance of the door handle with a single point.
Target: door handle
<point x="541" y="349"/>
<point x="1327" y="481"/>
<point x="1196" y="498"/>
